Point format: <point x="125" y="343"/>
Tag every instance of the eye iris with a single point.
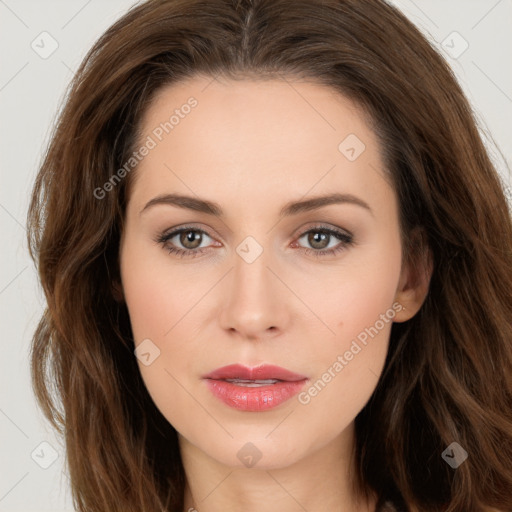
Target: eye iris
<point x="317" y="237"/>
<point x="187" y="237"/>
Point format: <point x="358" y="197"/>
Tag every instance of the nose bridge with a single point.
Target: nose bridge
<point x="253" y="304"/>
<point x="252" y="278"/>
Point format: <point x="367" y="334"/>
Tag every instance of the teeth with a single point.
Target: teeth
<point x="252" y="383"/>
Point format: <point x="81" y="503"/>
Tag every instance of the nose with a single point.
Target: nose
<point x="256" y="300"/>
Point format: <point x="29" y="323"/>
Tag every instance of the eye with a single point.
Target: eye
<point x="191" y="238"/>
<point x="319" y="237"/>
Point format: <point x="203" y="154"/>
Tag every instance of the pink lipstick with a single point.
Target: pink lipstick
<point x="254" y="389"/>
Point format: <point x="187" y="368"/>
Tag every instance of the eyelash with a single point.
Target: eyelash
<point x="346" y="240"/>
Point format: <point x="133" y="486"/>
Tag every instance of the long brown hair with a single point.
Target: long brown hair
<point x="448" y="374"/>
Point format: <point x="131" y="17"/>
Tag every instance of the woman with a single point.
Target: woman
<point x="277" y="260"/>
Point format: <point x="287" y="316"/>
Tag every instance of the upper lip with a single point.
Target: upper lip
<point x="262" y="372"/>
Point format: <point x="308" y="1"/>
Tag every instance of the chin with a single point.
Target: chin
<point x="254" y="453"/>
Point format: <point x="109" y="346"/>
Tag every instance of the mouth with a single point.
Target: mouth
<point x="254" y="389"/>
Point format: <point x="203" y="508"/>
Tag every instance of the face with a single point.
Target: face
<point x="255" y="280"/>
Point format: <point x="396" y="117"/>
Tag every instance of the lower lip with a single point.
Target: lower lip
<point x="254" y="399"/>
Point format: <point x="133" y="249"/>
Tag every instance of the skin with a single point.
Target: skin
<point x="252" y="146"/>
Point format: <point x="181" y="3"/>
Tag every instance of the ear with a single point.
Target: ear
<point x="415" y="277"/>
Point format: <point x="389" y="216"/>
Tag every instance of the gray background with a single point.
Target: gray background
<point x="31" y="88"/>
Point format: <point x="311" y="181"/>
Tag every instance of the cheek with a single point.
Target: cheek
<point x="354" y="296"/>
<point x="156" y="294"/>
<point x="346" y="369"/>
<point x="357" y="306"/>
<point x="159" y="299"/>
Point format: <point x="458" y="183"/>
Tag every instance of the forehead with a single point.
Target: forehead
<point x="279" y="134"/>
<point x="255" y="110"/>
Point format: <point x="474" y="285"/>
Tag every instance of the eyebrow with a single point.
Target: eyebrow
<point x="291" y="208"/>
